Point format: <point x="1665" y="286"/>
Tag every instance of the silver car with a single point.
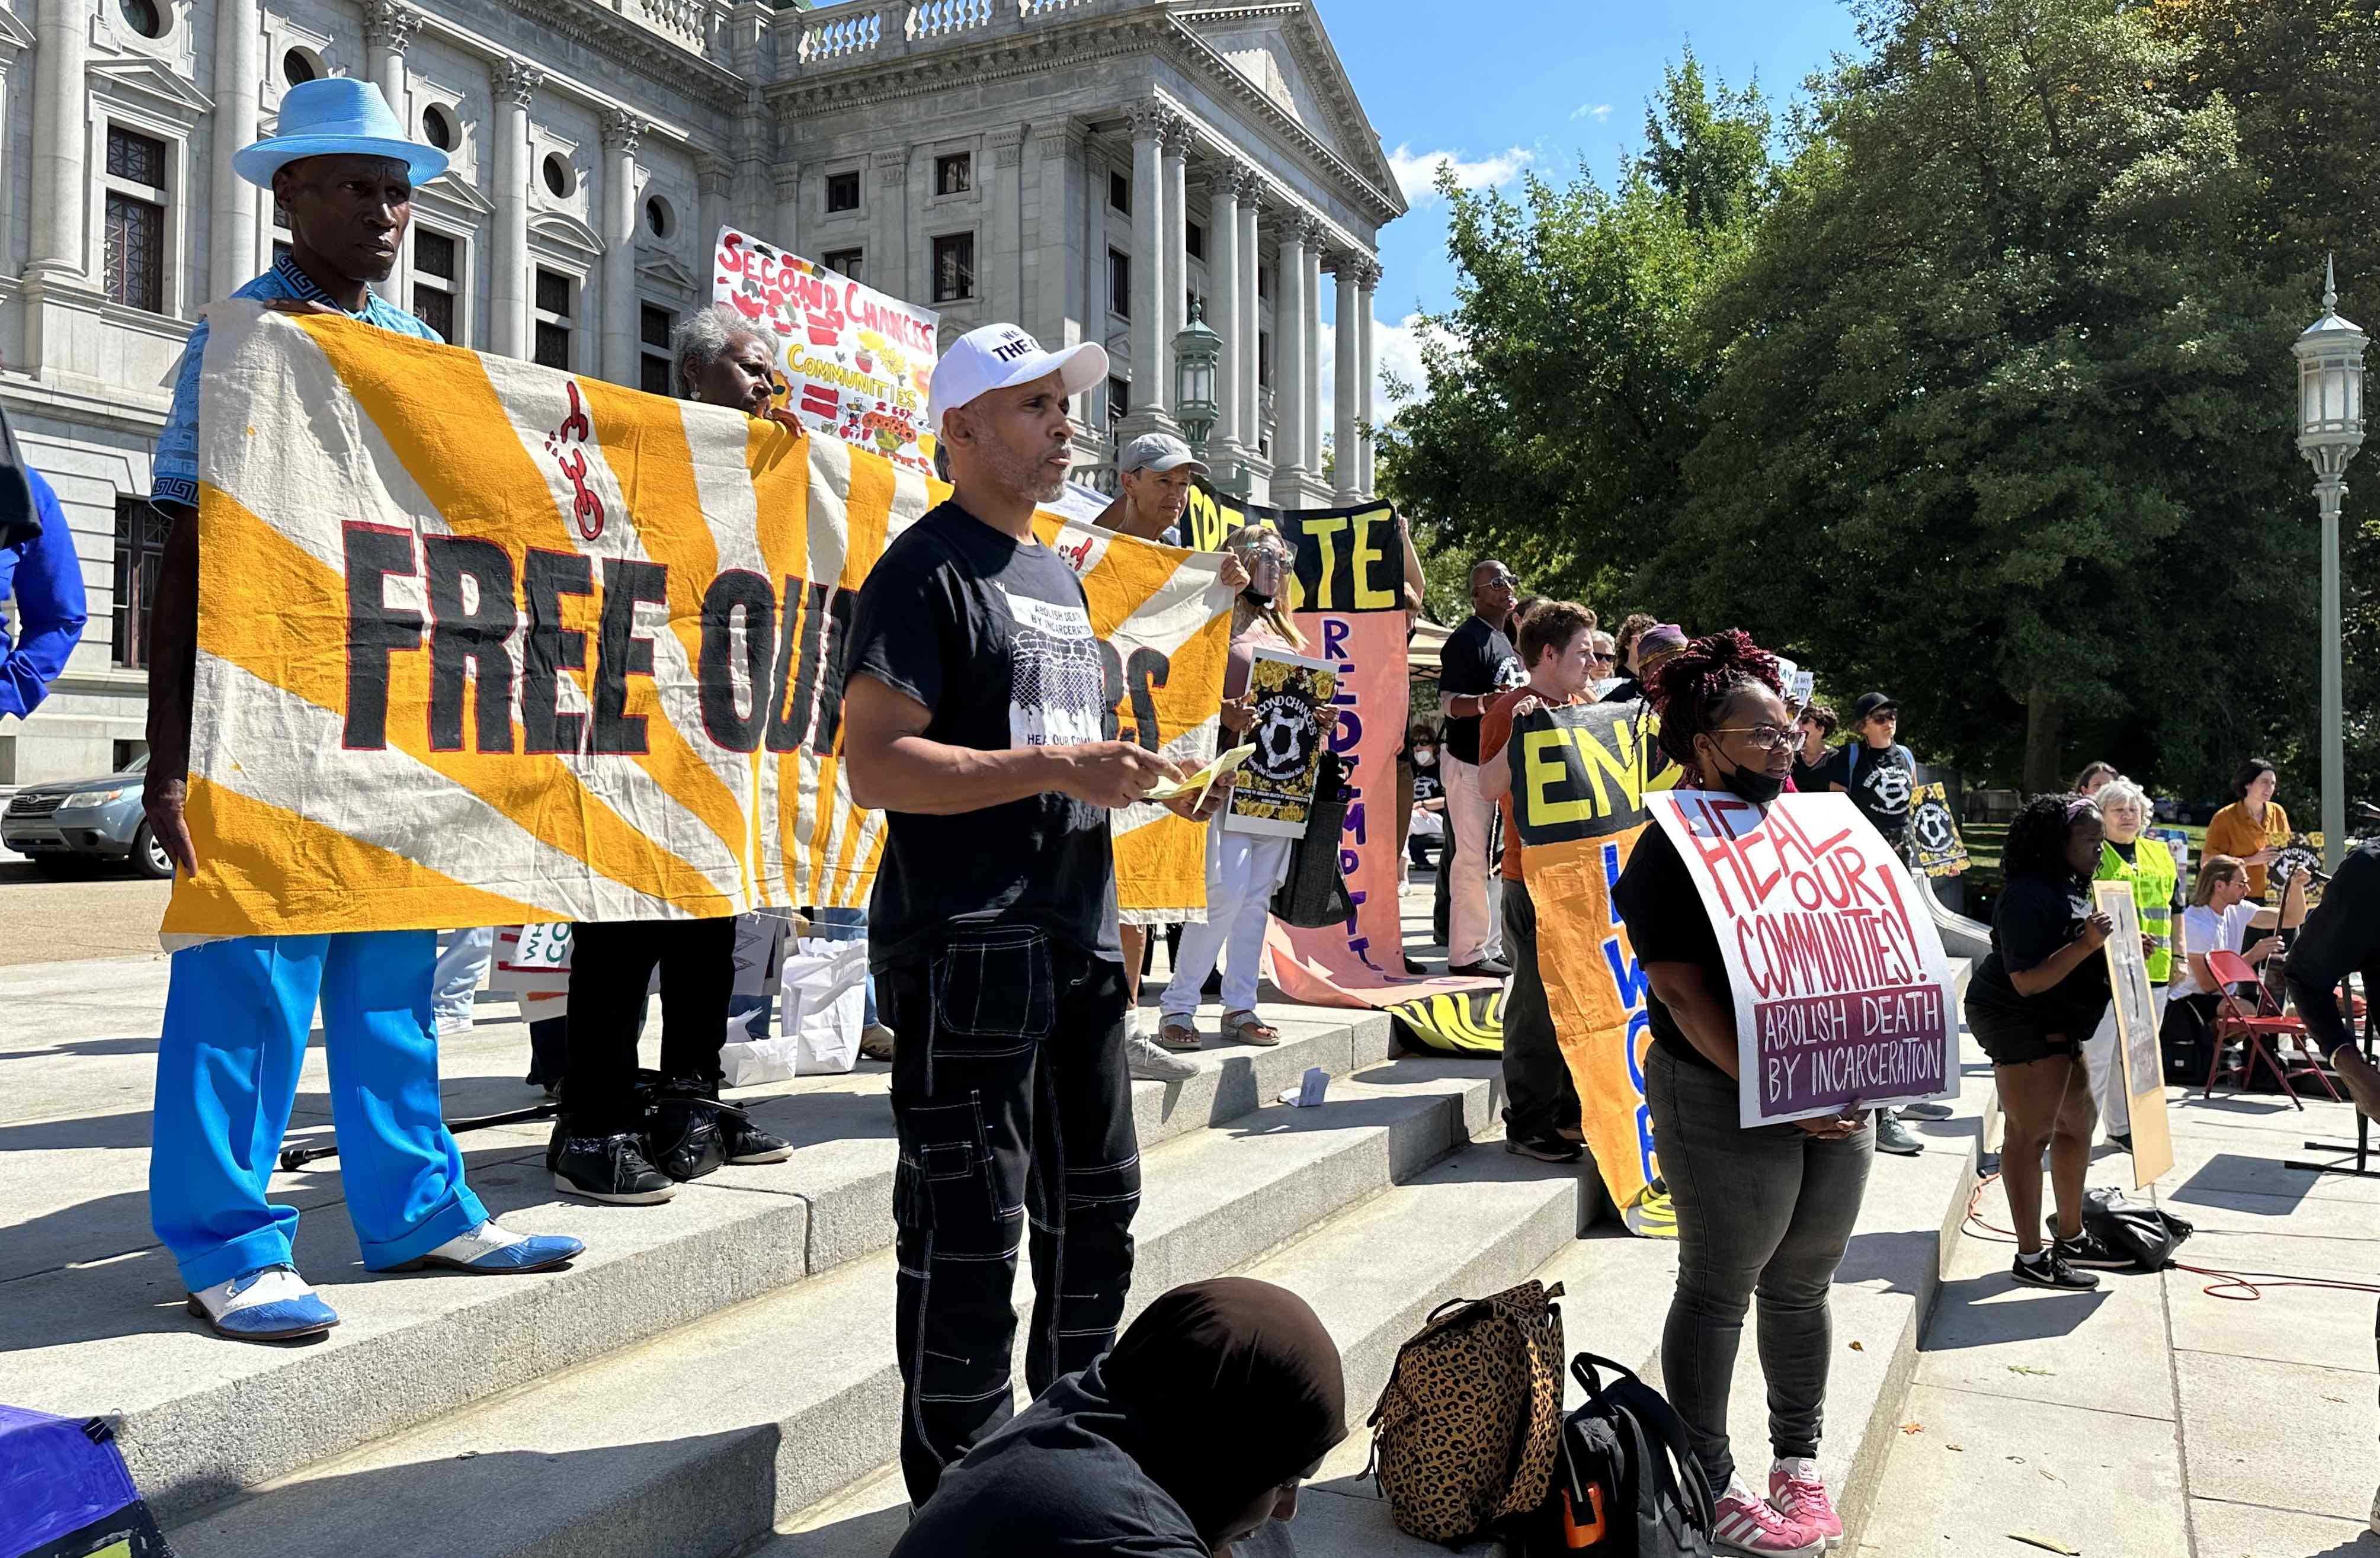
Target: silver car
<point x="55" y="825"/>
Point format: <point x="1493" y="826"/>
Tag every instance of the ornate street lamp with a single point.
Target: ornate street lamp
<point x="1197" y="350"/>
<point x="2330" y="429"/>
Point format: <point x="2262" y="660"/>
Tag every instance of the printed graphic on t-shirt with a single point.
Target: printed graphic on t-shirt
<point x="1510" y="673"/>
<point x="1889" y="784"/>
<point x="1056" y="682"/>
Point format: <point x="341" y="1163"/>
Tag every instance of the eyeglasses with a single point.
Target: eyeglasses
<point x="1766" y="738"/>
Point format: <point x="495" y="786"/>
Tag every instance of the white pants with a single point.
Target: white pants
<point x="2106" y="1072"/>
<point x="454" y="980"/>
<point x="1475" y="903"/>
<point x="1243" y="869"/>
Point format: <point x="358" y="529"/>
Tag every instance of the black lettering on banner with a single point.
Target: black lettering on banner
<point x="842" y="606"/>
<point x="622" y="652"/>
<point x="736" y="590"/>
<point x="548" y="649"/>
<point x="796" y="669"/>
<point x="469" y="641"/>
<point x="1144" y="674"/>
<point x="374" y="629"/>
<point x="1111" y="691"/>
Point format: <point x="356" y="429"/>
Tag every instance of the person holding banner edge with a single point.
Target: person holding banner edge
<point x="1541" y="1110"/>
<point x="238" y="1011"/>
<point x="973" y="716"/>
<point x="1768" y="1209"/>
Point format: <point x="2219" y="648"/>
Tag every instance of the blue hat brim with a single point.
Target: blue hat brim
<point x="258" y="162"/>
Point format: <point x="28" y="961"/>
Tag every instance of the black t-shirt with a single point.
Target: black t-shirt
<point x="2342" y="935"/>
<point x="1810" y="779"/>
<point x="1880" y="783"/>
<point x="1667" y="924"/>
<point x="1628" y="690"/>
<point x="2033" y="919"/>
<point x="1476" y="662"/>
<point x="994" y="639"/>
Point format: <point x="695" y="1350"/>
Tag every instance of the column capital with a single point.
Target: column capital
<point x="892" y="167"/>
<point x="1178" y="137"/>
<point x="715" y="174"/>
<point x="1367" y="273"/>
<point x="622" y="129"/>
<point x="788" y="177"/>
<point x="1152" y="120"/>
<point x="1007" y="146"/>
<point x="1059" y="135"/>
<point x="1236" y="181"/>
<point x="1305" y="228"/>
<point x="390" y="24"/>
<point x="514" y="83"/>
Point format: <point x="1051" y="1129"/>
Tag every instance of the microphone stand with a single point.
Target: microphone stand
<point x="2361" y="1150"/>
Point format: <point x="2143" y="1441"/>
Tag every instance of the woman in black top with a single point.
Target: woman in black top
<point x="2036" y="997"/>
<point x="1767" y="1208"/>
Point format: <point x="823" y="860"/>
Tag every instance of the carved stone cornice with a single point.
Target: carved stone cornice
<point x="622" y="129"/>
<point x="515" y="81"/>
<point x="390" y="25"/>
<point x="619" y="39"/>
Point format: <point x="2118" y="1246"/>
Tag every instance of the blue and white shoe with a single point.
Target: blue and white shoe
<point x="269" y="1304"/>
<point x="489" y="1251"/>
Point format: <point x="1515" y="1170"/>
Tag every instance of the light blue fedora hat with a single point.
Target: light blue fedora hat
<point x="338" y="116"/>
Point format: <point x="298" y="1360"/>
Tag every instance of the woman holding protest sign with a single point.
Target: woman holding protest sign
<point x="1767" y="1208"/>
<point x="2036" y="997"/>
<point x="2148" y="867"/>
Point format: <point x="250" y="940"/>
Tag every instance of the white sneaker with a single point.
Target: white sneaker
<point x="1151" y="1061"/>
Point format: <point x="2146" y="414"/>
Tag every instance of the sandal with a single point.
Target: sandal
<point x="1250" y="1029"/>
<point x="1180" y="1037"/>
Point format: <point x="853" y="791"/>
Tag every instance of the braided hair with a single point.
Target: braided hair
<point x="1691" y="689"/>
<point x="2036" y="839"/>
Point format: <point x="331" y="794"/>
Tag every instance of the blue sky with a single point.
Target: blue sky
<point x="1501" y="86"/>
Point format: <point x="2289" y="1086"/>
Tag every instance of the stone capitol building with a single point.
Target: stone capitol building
<point x="1085" y="167"/>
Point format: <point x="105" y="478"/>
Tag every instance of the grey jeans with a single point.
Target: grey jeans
<point x="1768" y="1210"/>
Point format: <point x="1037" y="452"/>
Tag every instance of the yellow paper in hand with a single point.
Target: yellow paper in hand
<point x="1204" y="779"/>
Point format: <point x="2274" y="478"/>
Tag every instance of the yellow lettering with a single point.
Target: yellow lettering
<point x="1621" y="765"/>
<point x="1324" y="532"/>
<point x="1367" y="599"/>
<point x="1545" y="768"/>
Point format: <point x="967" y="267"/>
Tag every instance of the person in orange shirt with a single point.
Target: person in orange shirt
<point x="2253" y="826"/>
<point x="1541" y="1108"/>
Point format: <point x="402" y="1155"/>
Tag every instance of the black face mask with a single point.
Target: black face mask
<point x="1255" y="597"/>
<point x="1755" y="785"/>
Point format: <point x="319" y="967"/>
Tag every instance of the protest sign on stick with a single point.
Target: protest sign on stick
<point x="1842" y="993"/>
<point x="2140" y="1065"/>
<point x="1934" y="846"/>
<point x="1291" y="695"/>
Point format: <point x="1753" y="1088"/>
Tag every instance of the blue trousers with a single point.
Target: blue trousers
<point x="238" y="1014"/>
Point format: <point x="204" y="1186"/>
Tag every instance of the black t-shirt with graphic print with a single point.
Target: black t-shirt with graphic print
<point x="1881" y="784"/>
<point x="994" y="639"/>
<point x="1476" y="661"/>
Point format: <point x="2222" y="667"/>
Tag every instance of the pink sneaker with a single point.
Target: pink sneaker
<point x="1798" y="1492"/>
<point x="1746" y="1524"/>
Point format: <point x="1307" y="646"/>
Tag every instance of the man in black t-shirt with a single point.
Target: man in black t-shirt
<point x="973" y="714"/>
<point x="2341" y="936"/>
<point x="1475" y="664"/>
<point x="1879" y="774"/>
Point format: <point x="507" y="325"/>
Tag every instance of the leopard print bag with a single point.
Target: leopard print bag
<point x="1465" y="1433"/>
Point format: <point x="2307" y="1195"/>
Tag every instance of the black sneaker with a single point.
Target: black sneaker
<point x="607" y="1168"/>
<point x="2049" y="1270"/>
<point x="1551" y="1149"/>
<point x="2088" y="1249"/>
<point x="746" y="1143"/>
<point x="1893" y="1137"/>
<point x="1486" y="968"/>
<point x="2122" y="1138"/>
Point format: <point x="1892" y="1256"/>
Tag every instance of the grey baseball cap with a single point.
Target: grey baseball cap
<point x="1159" y="453"/>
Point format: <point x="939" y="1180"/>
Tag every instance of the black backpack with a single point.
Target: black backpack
<point x="1626" y="1484"/>
<point x="2147" y="1233"/>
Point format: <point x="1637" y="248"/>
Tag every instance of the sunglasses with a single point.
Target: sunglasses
<point x="1604" y="660"/>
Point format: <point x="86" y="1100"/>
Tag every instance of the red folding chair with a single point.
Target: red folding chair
<point x="2234" y="1021"/>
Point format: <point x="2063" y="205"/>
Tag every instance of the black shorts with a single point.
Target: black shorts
<point x="2011" y="1040"/>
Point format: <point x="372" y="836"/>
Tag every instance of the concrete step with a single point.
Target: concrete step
<point x="705" y="1437"/>
<point x="1474" y="1224"/>
<point x="103" y="1332"/>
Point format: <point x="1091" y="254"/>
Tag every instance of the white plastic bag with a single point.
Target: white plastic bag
<point x="822" y="995"/>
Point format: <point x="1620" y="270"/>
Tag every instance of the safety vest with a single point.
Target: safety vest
<point x="2151" y="874"/>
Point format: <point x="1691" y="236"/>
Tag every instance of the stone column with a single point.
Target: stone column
<point x="884" y="262"/>
<point x="1002" y="269"/>
<point x="1367" y="282"/>
<point x="1177" y="244"/>
<point x="1151" y="124"/>
<point x="509" y="315"/>
<point x="1251" y="322"/>
<point x="715" y="178"/>
<point x="621" y="131"/>
<point x="239" y="85"/>
<point x="787" y="178"/>
<point x="1058" y="241"/>
<point x="1289" y="387"/>
<point x="1223" y="304"/>
<point x="1349" y="367"/>
<point x="61" y="185"/>
<point x="388" y="27"/>
<point x="1309" y="415"/>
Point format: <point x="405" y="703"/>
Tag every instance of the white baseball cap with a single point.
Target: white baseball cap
<point x="1000" y="356"/>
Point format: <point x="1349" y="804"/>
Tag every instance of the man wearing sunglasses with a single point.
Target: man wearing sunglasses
<point x="1880" y="776"/>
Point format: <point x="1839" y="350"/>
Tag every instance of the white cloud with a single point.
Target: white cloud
<point x="1417" y="171"/>
<point x="1396" y="348"/>
<point x="1598" y="111"/>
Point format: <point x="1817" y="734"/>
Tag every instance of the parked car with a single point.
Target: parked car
<point x="56" y="824"/>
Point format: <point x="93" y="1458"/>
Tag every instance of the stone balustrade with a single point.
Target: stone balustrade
<point x="868" y="31"/>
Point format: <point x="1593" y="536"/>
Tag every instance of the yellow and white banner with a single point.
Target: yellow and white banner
<point x="483" y="642"/>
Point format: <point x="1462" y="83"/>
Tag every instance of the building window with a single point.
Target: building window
<point x="134" y="240"/>
<point x="1264" y="356"/>
<point x="843" y="261"/>
<point x="142" y="17"/>
<point x="1119" y="403"/>
<point x="560" y="178"/>
<point x="437" y="272"/>
<point x="842" y="191"/>
<point x="954" y="175"/>
<point x="1264" y="281"/>
<point x="653" y="325"/>
<point x="1196" y="242"/>
<point x="660" y="220"/>
<point x="1120" y="192"/>
<point x="299" y="66"/>
<point x="1120" y="283"/>
<point x="953" y="267"/>
<point x="554" y="306"/>
<point x="140" y="553"/>
<point x="438" y="128"/>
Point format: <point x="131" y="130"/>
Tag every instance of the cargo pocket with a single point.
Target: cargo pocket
<point x="943" y="1182"/>
<point x="995" y="994"/>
